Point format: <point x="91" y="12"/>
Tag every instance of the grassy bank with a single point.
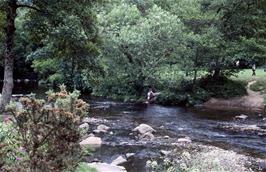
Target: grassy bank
<point x="246" y="76"/>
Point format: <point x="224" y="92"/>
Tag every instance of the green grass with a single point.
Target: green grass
<point x="246" y="76"/>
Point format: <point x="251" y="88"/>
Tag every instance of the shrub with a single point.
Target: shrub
<point x="10" y="151"/>
<point x="223" y="87"/>
<point x="48" y="132"/>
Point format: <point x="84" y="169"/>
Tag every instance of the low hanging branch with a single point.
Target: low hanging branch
<point x="31" y="7"/>
<point x="28" y="6"/>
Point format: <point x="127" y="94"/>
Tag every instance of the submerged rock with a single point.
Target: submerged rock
<point x="94" y="142"/>
<point x="103" y="167"/>
<point x="119" y="161"/>
<point x="262" y="165"/>
<point x="262" y="126"/>
<point x="102" y="107"/>
<point x="247" y="129"/>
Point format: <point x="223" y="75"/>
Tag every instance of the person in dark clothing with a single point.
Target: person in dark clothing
<point x="254" y="69"/>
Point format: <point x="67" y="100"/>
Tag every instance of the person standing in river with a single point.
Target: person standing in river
<point x="151" y="96"/>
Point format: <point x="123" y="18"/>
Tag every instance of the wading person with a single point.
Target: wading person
<point x="151" y="96"/>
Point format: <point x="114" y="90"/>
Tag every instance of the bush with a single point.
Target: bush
<point x="10" y="151"/>
<point x="48" y="132"/>
<point x="223" y="87"/>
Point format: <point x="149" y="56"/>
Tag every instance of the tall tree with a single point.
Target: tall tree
<point x="139" y="37"/>
<point x="46" y="18"/>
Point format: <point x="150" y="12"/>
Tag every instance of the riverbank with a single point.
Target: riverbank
<point x="254" y="101"/>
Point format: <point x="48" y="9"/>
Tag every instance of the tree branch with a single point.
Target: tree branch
<point x="29" y="6"/>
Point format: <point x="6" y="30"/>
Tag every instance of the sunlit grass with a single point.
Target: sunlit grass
<point x="246" y="76"/>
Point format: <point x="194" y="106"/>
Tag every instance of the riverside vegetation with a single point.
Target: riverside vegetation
<point x="43" y="135"/>
<point x="188" y="50"/>
<point x="118" y="49"/>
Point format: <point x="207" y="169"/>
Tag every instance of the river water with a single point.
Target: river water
<point x="209" y="127"/>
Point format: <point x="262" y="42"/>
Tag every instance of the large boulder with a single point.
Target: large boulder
<point x="143" y="129"/>
<point x="103" y="167"/>
<point x="92" y="141"/>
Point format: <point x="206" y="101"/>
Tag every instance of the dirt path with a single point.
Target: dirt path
<point x="254" y="101"/>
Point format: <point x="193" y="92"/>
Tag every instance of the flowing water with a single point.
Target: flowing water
<point x="209" y="127"/>
<point x="201" y="125"/>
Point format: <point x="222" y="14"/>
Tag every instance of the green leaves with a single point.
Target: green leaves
<point x="66" y="34"/>
<point x="138" y="44"/>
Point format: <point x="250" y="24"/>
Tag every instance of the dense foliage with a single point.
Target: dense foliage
<point x="119" y="48"/>
<point x="44" y="136"/>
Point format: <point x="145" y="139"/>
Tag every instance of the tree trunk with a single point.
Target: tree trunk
<point x="8" y="53"/>
<point x="195" y="68"/>
<point x="217" y="69"/>
<point x="216" y="73"/>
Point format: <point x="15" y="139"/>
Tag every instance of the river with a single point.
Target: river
<point x="208" y="127"/>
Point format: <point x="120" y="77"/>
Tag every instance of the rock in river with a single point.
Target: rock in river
<point x="242" y="116"/>
<point x="144" y="128"/>
<point x="103" y="167"/>
<point x="262" y="126"/>
<point x="101" y="129"/>
<point x="94" y="142"/>
<point x="185" y="139"/>
<point x="165" y="153"/>
<point x="147" y="136"/>
<point x="119" y="161"/>
<point x="84" y="126"/>
<point x="129" y="155"/>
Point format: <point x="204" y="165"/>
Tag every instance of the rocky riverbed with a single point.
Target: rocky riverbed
<point x="129" y="137"/>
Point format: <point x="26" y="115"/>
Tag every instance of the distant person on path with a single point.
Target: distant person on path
<point x="237" y="63"/>
<point x="254" y="69"/>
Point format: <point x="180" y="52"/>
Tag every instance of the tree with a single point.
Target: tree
<point x="242" y="23"/>
<point x="138" y="39"/>
<point x="1" y="32"/>
<point x="48" y="19"/>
